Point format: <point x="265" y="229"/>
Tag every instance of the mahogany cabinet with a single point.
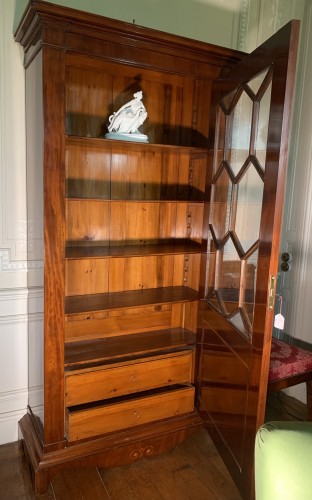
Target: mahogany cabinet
<point x="125" y="235"/>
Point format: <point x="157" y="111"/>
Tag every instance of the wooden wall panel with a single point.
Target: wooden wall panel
<point x="121" y="322"/>
<point x="87" y="221"/>
<point x="86" y="276"/>
<point x="87" y="95"/>
<point x="87" y="170"/>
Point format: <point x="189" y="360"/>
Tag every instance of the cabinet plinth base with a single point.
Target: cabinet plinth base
<point x="119" y="449"/>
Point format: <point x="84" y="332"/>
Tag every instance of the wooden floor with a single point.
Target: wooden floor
<point x="192" y="471"/>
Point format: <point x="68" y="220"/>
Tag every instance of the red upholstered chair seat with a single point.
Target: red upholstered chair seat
<point x="289" y="366"/>
<point x="288" y="360"/>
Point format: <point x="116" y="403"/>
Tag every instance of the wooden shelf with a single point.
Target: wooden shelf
<point x="134" y="298"/>
<point x="185" y="196"/>
<point x="134" y="146"/>
<point x="174" y="247"/>
<point x="101" y="350"/>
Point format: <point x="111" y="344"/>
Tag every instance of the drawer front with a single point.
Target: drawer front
<point x="84" y="423"/>
<point x="94" y="385"/>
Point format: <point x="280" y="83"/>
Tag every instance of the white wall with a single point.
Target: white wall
<point x="239" y="24"/>
<point x="212" y="21"/>
<point x="20" y="306"/>
<point x="296" y="285"/>
<point x="13" y="265"/>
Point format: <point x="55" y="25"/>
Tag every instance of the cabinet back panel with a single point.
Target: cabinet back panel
<point x="89" y="276"/>
<point x="87" y="221"/>
<point x="124" y="223"/>
<point x="127" y="321"/>
<point x="96" y="170"/>
<point x="87" y="98"/>
<point x="87" y="171"/>
<point x="86" y="276"/>
<point x="146" y="319"/>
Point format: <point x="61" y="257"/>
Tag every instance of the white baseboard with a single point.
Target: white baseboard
<point x="9" y="426"/>
<point x="13" y="406"/>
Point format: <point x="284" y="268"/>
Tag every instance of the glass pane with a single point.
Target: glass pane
<point x="257" y="81"/>
<point x="263" y="126"/>
<point x="249" y="271"/>
<point x="228" y="277"/>
<point x="238" y="322"/>
<point x="211" y="295"/>
<point x="248" y="208"/>
<point x="239" y="131"/>
<point x="211" y="267"/>
<point x="226" y="100"/>
<point x="222" y="193"/>
<point x="219" y="141"/>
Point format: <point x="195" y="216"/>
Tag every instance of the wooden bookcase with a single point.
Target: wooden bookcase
<point x="124" y="239"/>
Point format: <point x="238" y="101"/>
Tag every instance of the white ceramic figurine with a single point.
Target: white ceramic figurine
<point x="124" y="123"/>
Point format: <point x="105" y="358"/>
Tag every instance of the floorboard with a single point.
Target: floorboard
<point x="191" y="471"/>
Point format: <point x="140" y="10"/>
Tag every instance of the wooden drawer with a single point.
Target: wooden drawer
<point x="86" y="421"/>
<point x="126" y="378"/>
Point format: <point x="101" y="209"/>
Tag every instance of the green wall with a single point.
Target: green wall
<point x="211" y="21"/>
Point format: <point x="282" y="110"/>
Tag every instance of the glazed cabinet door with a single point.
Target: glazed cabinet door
<point x="251" y="126"/>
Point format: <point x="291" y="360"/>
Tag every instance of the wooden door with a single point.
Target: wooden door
<point x="250" y="128"/>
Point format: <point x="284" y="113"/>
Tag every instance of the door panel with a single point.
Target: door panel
<point x="250" y="126"/>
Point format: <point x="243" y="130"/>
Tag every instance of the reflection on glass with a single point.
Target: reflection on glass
<point x="248" y="208"/>
<point x="228" y="282"/>
<point x="219" y="141"/>
<point x="212" y="275"/>
<point x="238" y="322"/>
<point x="249" y="285"/>
<point x="263" y="127"/>
<point x="239" y="130"/>
<point x="241" y="140"/>
<point x="226" y="101"/>
<point x="257" y="81"/>
<point x="222" y="193"/>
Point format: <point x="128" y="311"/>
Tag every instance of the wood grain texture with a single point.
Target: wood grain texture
<point x="54" y="240"/>
<point x="106" y="451"/>
<point x="83" y="422"/>
<point x="126" y="321"/>
<point x="136" y="298"/>
<point x="124" y="378"/>
<point x="166" y="247"/>
<point x="192" y="471"/>
<point x="100" y="350"/>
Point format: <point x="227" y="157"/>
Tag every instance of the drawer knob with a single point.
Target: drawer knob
<point x="132" y="378"/>
<point x="137" y="414"/>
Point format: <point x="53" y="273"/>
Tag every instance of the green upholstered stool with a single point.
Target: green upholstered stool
<point x="283" y="461"/>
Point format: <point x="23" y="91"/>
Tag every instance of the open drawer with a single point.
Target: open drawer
<point x="118" y="379"/>
<point x="90" y="420"/>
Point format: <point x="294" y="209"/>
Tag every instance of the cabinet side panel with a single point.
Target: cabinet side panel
<point x="54" y="241"/>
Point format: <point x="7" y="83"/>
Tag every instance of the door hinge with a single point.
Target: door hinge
<point x="272" y="288"/>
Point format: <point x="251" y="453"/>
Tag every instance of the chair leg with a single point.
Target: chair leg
<point x="309" y="400"/>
